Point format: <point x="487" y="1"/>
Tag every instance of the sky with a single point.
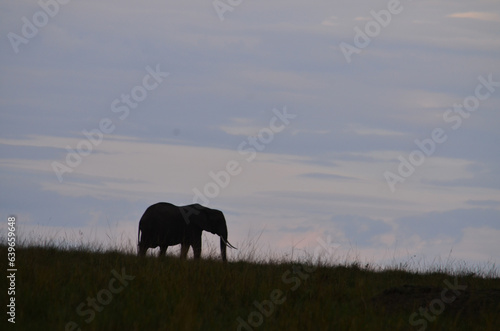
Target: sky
<point x="371" y="125"/>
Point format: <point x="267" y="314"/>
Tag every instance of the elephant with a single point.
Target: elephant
<point x="164" y="224"/>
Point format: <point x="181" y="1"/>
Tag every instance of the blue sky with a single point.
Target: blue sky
<point x="391" y="148"/>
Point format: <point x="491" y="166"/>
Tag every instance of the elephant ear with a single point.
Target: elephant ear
<point x="206" y="220"/>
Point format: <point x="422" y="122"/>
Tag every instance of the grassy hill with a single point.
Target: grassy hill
<point x="72" y="289"/>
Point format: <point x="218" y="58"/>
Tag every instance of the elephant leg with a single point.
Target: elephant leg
<point x="184" y="251"/>
<point x="163" y="250"/>
<point x="197" y="247"/>
<point x="197" y="251"/>
<point x="142" y="250"/>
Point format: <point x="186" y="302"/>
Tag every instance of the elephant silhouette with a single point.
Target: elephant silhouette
<point x="164" y="224"/>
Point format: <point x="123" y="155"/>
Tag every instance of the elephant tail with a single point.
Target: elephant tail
<point x="139" y="235"/>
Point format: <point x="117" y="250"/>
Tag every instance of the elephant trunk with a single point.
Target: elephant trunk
<point x="224" y="243"/>
<point x="222" y="232"/>
<point x="223" y="248"/>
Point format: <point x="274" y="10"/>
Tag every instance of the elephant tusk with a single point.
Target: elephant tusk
<point x="227" y="243"/>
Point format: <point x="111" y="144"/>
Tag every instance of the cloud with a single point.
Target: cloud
<point x="242" y="127"/>
<point x="477" y="242"/>
<point x="330" y="21"/>
<point x="361" y="231"/>
<point x="326" y="176"/>
<point x="482" y="16"/>
<point x="372" y="131"/>
<point x="484" y="203"/>
<point x="447" y="224"/>
<point x="478" y="175"/>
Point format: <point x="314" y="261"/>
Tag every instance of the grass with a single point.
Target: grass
<point x="65" y="288"/>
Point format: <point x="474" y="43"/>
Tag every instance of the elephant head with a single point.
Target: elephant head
<point x="213" y="221"/>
